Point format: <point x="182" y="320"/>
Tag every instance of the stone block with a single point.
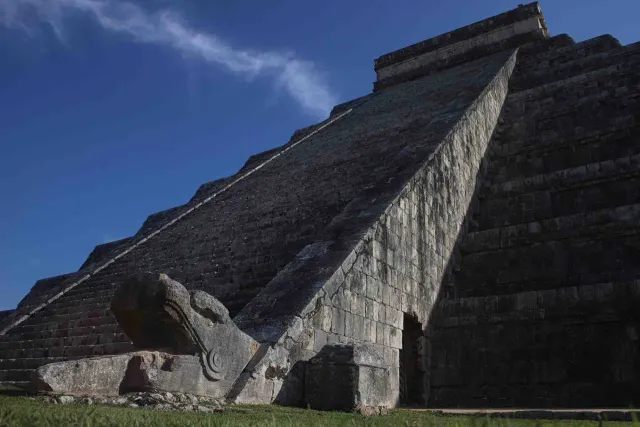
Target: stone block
<point x="394" y="317"/>
<point x="323" y="318"/>
<point x="391" y="356"/>
<point x="386" y="335"/>
<point x="366" y="324"/>
<point x="380" y="331"/>
<point x="359" y="328"/>
<point x="394" y="298"/>
<point x="373" y="331"/>
<point x="333" y="339"/>
<point x="342" y="299"/>
<point x="369" y="309"/>
<point x="382" y="313"/>
<point x="395" y="337"/>
<point x="372" y="288"/>
<point x="358" y="304"/>
<point x="349" y="325"/>
<point x="338" y="321"/>
<point x="347" y="378"/>
<point x="142" y="371"/>
<point x="356" y="281"/>
<point x="320" y="339"/>
<point x="386" y="290"/>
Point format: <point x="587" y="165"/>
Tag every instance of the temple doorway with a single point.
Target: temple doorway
<point x="412" y="375"/>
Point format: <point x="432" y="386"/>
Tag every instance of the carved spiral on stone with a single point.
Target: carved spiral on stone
<point x="214" y="364"/>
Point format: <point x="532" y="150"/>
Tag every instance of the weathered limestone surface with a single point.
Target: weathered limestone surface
<point x="150" y="371"/>
<point x="386" y="254"/>
<point x="347" y="378"/>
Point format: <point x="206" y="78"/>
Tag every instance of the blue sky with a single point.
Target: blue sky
<point x="111" y="111"/>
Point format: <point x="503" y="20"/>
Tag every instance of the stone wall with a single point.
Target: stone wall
<point x="468" y="32"/>
<point x="401" y="263"/>
<point x="503" y="32"/>
<point x="396" y="267"/>
<point x="543" y="309"/>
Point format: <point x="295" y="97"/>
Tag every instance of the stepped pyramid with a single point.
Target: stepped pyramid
<point x="475" y="219"/>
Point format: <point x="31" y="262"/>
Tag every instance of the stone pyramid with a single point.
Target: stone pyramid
<point x="474" y="220"/>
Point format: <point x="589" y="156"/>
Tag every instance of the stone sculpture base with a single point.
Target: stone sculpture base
<point x="348" y="378"/>
<point x="140" y="371"/>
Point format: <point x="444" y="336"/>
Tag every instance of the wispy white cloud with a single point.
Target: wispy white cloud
<point x="299" y="78"/>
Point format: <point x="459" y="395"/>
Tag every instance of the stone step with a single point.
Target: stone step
<point x="557" y="153"/>
<point x="623" y="125"/>
<point x="48" y="329"/>
<point x="38" y="318"/>
<point x="583" y="354"/>
<point x="551" y="264"/>
<point x="558" y="68"/>
<point x="560" y="49"/>
<point x="614" y="184"/>
<point x="5" y="313"/>
<point x="77" y="296"/>
<point x="618" y="75"/>
<point x="610" y="301"/>
<point x="62" y="307"/>
<point x="43" y="288"/>
<point x="18" y="384"/>
<point x="80" y="294"/>
<point x="598" y="97"/>
<point x="77" y="351"/>
<point x="158" y="219"/>
<point x="48" y="332"/>
<point x="583" y="124"/>
<point x="74" y="340"/>
<point x="598" y="171"/>
<point x="15" y="376"/>
<point x="102" y="252"/>
<point x="27" y="363"/>
<point x="606" y="221"/>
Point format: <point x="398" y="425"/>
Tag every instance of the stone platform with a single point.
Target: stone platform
<point x="595" y="414"/>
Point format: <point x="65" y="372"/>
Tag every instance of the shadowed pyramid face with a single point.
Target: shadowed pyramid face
<point x="158" y="313"/>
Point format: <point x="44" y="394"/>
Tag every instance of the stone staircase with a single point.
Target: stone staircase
<point x="80" y="324"/>
<point x="234" y="246"/>
<point x="77" y="325"/>
<point x="542" y="309"/>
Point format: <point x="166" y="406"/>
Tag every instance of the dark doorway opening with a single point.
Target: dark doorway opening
<point x="412" y="375"/>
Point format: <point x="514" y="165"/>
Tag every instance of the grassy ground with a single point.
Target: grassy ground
<point x="25" y="411"/>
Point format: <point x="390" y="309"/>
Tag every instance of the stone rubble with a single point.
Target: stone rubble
<point x="156" y="401"/>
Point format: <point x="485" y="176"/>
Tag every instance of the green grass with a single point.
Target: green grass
<point x="25" y="411"/>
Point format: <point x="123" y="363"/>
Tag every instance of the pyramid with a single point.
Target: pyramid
<point x="474" y="220"/>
